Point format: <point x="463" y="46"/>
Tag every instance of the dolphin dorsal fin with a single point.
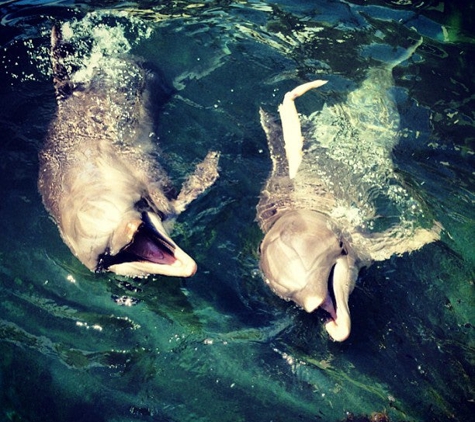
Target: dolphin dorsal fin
<point x="291" y="129"/>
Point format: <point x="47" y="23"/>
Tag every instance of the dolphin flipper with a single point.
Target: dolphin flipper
<point x="293" y="139"/>
<point x="203" y="177"/>
<point x="396" y="241"/>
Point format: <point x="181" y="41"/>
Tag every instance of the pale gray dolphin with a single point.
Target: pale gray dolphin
<point x="315" y="208"/>
<point x="99" y="176"/>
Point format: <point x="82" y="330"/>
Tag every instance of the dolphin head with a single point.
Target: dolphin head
<point x="119" y="232"/>
<point x="304" y="259"/>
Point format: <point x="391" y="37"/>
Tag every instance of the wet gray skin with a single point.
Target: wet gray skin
<point x="316" y="207"/>
<point x="99" y="176"/>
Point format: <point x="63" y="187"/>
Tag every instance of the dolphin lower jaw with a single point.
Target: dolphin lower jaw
<point x="339" y="328"/>
<point x="344" y="276"/>
<point x="333" y="302"/>
<point x="183" y="266"/>
<point x="338" y="322"/>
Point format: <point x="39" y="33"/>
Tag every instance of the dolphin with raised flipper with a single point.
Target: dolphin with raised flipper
<point x="320" y="207"/>
<point x="99" y="174"/>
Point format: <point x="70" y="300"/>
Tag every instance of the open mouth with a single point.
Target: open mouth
<point x="328" y="307"/>
<point x="151" y="246"/>
<point x="147" y="245"/>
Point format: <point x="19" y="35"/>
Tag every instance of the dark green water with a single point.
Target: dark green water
<point x="220" y="346"/>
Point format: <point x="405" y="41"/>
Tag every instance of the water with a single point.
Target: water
<point x="220" y="346"/>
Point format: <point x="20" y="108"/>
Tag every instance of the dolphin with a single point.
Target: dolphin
<point x="316" y="209"/>
<point x="99" y="175"/>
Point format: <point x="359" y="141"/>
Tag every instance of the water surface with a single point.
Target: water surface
<point x="220" y="346"/>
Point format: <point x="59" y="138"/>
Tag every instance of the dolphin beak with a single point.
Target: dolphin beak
<point x="149" y="250"/>
<point x="332" y="296"/>
<point x="341" y="285"/>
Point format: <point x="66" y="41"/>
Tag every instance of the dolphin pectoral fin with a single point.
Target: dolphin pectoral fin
<point x="303" y="88"/>
<point x="291" y="129"/>
<point x="396" y="242"/>
<point x="344" y="277"/>
<point x="203" y="177"/>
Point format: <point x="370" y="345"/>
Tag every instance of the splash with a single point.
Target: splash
<point x="97" y="38"/>
<point x="357" y="136"/>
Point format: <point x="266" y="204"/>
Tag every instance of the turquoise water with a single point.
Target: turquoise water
<point x="220" y="346"/>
